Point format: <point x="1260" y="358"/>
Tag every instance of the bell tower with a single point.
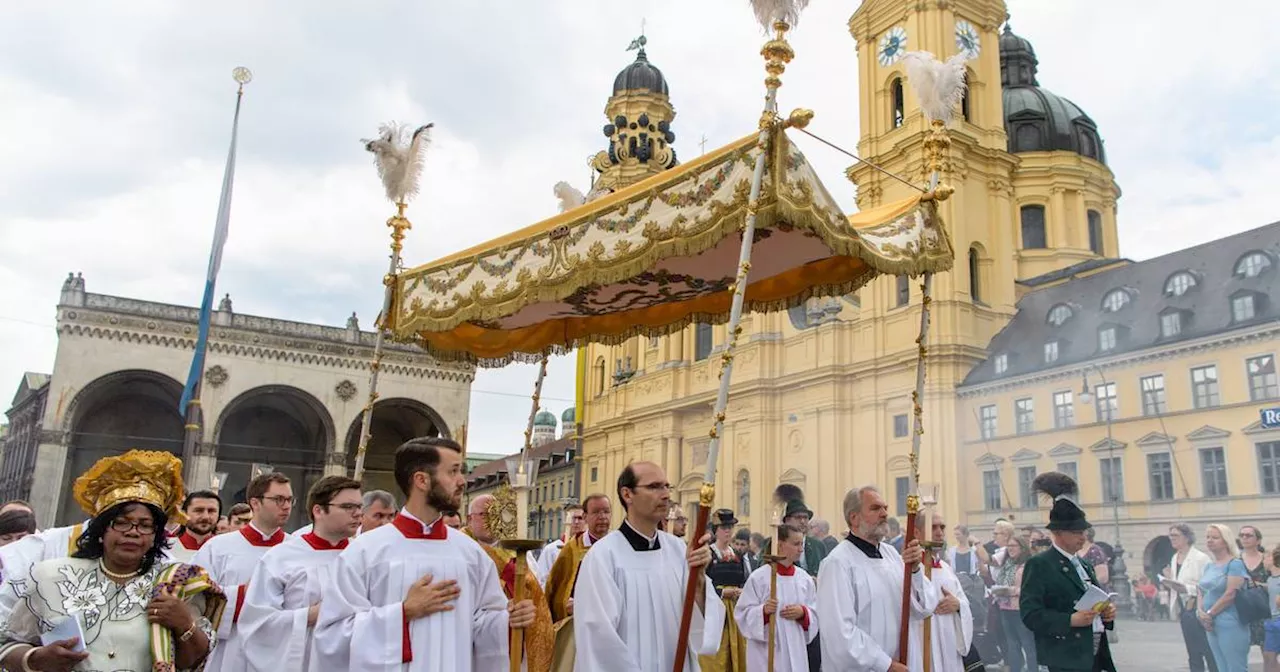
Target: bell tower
<point x="978" y="296"/>
<point x="639" y="128"/>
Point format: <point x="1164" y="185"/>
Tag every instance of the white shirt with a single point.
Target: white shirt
<point x="230" y="560"/>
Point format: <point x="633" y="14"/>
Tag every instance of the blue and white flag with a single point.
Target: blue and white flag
<point x="215" y="260"/>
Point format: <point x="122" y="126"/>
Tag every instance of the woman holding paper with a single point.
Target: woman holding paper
<point x="1181" y="578"/>
<point x="1228" y="637"/>
<point x="115" y="604"/>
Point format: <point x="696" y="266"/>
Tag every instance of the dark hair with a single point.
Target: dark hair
<point x="450" y="512"/>
<point x="202" y="494"/>
<point x="421" y="454"/>
<point x="13" y="522"/>
<point x="786" y="531"/>
<point x="627" y="479"/>
<point x="258" y="487"/>
<point x="91" y="547"/>
<point x="1257" y="535"/>
<point x="574" y="507"/>
<point x="742" y="535"/>
<point x="239" y="509"/>
<point x="586" y="503"/>
<point x="325" y="489"/>
<point x="758" y="539"/>
<point x="1024" y="544"/>
<point x="19" y="502"/>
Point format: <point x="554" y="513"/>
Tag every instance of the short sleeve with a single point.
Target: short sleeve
<point x="1236" y="568"/>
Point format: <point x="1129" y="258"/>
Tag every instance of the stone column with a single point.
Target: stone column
<point x="50" y="471"/>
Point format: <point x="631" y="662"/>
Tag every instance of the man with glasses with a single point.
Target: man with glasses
<point x="564" y="573"/>
<point x="283" y="600"/>
<point x="630" y="588"/>
<point x="231" y="558"/>
<point x="574" y="525"/>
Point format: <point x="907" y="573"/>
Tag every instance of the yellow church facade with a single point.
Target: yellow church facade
<point x="821" y="394"/>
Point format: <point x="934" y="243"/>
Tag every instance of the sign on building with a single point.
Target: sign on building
<point x="1271" y="418"/>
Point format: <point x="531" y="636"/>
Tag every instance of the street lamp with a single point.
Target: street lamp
<point x="1119" y="574"/>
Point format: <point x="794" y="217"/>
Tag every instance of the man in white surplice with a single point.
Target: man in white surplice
<point x="952" y="631"/>
<point x="417" y="595"/>
<point x="630" y="588"/>
<point x="795" y="607"/>
<point x="575" y="524"/>
<point x="860" y="596"/>
<point x="283" y="600"/>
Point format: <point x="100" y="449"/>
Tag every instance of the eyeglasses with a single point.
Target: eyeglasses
<point x="124" y="526"/>
<point x="1248" y="534"/>
<point x="352" y="509"/>
<point x="279" y="500"/>
<point x="656" y="487"/>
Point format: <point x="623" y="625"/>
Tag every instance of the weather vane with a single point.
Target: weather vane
<point x="639" y="42"/>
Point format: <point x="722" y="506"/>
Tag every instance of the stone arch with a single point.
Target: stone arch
<point x="120" y="411"/>
<point x="1157" y="554"/>
<point x="394" y="421"/>
<point x="279" y="426"/>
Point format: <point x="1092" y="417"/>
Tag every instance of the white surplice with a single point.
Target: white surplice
<point x="860" y="609"/>
<point x="627" y="603"/>
<point x="542" y="566"/>
<point x="273" y="624"/>
<point x="362" y="625"/>
<point x="951" y="634"/>
<point x="790" y="654"/>
<point x="230" y="560"/>
<point x="183" y="548"/>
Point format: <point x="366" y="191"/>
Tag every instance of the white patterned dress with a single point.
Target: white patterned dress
<point x="117" y="634"/>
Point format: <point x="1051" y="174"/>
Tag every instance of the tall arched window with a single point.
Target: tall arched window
<point x="1095" y="232"/>
<point x="897" y="111"/>
<point x="975" y="281"/>
<point x="702" y="341"/>
<point x="744" y="493"/>
<point x="902" y="291"/>
<point x="597" y="376"/>
<point x="964" y="99"/>
<point x="1033" y="235"/>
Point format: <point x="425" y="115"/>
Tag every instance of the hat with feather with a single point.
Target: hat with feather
<point x="1065" y="514"/>
<point x="146" y="476"/>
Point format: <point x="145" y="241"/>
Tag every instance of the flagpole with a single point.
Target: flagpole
<point x="189" y="404"/>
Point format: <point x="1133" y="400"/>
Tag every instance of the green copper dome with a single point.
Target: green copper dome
<point x="544" y="419"/>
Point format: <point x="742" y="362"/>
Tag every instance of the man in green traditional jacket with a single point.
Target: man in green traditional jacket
<point x="1067" y="639"/>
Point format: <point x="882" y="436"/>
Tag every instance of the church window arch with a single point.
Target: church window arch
<point x="1095" y="232"/>
<point x="1033" y="227"/>
<point x="975" y="273"/>
<point x="966" y="104"/>
<point x="897" y="98"/>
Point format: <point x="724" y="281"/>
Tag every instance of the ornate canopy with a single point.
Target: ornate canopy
<point x="658" y="255"/>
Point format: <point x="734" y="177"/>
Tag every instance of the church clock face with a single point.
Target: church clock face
<point x="892" y="46"/>
<point x="967" y="41"/>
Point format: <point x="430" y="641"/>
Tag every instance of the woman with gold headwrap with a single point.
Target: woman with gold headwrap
<point x="115" y="604"/>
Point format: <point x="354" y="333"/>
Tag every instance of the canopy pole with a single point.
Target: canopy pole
<point x="399" y="224"/>
<point x="777" y="53"/>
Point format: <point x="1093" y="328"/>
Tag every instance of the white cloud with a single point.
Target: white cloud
<point x="116" y="123"/>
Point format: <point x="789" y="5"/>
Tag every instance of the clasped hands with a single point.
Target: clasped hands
<point x="791" y="612"/>
<point x="427" y="596"/>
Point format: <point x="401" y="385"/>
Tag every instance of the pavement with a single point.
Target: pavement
<point x="1156" y="646"/>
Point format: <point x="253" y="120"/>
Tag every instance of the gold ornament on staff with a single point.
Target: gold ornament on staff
<point x="398" y="156"/>
<point x="939" y="87"/>
<point x="928" y="500"/>
<point x="778" y="16"/>
<point x="775" y="521"/>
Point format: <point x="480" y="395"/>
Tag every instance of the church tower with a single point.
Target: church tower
<point x="639" y="129"/>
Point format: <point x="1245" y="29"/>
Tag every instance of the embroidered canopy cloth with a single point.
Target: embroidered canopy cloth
<point x="658" y="255"/>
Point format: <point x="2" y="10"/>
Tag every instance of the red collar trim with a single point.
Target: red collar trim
<point x="785" y="570"/>
<point x="255" y="538"/>
<point x="191" y="543"/>
<point x="320" y="544"/>
<point x="412" y="528"/>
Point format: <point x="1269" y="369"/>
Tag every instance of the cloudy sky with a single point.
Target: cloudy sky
<point x="115" y="119"/>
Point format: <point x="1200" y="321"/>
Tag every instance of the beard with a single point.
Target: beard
<point x="441" y="499"/>
<point x="201" y="527"/>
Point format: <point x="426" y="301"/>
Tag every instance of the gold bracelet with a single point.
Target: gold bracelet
<point x="191" y="632"/>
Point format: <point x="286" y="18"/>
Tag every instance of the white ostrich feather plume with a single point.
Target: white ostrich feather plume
<point x="768" y="11"/>
<point x="570" y="198"/>
<point x="938" y="85"/>
<point x="398" y="154"/>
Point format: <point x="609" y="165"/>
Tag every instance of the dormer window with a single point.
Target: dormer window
<point x="1115" y="300"/>
<point x="1051" y="352"/>
<point x="1059" y="314"/>
<point x="1002" y="363"/>
<point x="1170" y="324"/>
<point x="1107" y="339"/>
<point x="1179" y="283"/>
<point x="1253" y="264"/>
<point x="1245" y="306"/>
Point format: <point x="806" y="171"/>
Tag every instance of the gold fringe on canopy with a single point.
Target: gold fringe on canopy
<point x="660" y="255"/>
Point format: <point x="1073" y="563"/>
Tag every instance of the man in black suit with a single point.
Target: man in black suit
<point x="1067" y="639"/>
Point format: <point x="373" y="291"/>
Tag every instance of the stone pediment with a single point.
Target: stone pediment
<point x="1156" y="439"/>
<point x="1208" y="433"/>
<point x="989" y="460"/>
<point x="1107" y="445"/>
<point x="792" y="476"/>
<point x="1025" y="455"/>
<point x="1065" y="450"/>
<point x="1257" y="428"/>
